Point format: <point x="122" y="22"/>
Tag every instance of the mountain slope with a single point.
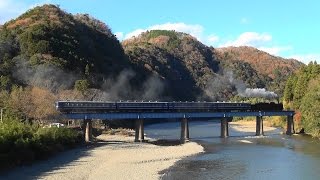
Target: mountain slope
<point x="261" y="61"/>
<point x="46" y="35"/>
<point x="196" y="71"/>
<point x="183" y="62"/>
<point x="272" y="71"/>
<point x="56" y="47"/>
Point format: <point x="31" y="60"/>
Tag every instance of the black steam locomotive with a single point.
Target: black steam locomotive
<point x="267" y="107"/>
<point x="96" y="106"/>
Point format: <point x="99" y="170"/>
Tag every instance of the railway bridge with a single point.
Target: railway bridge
<point x="144" y="111"/>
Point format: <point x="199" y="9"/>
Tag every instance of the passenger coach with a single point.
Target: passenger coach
<point x="96" y="106"/>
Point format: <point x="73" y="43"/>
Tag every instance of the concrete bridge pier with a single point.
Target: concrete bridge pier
<point x="88" y="130"/>
<point x="139" y="131"/>
<point x="259" y="126"/>
<point x="290" y="125"/>
<point x="224" y="128"/>
<point x="188" y="129"/>
<point x="184" y="130"/>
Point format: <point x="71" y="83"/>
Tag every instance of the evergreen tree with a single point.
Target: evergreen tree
<point x="300" y="89"/>
<point x="310" y="108"/>
<point x="288" y="91"/>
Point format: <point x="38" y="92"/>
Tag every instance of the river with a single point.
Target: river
<point x="242" y="155"/>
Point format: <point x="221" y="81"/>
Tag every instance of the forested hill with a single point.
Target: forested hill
<point x="261" y="61"/>
<point x="49" y="53"/>
<point x="274" y="70"/>
<point x="52" y="49"/>
<point x="185" y="64"/>
<point x="193" y="67"/>
<point x="52" y="38"/>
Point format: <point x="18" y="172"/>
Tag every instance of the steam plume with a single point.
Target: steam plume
<point x="44" y="75"/>
<point x="119" y="88"/>
<point x="152" y="88"/>
<point x="258" y="92"/>
<point x="222" y="84"/>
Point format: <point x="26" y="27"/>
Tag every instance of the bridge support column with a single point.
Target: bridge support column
<point x="224" y="128"/>
<point x="259" y="126"/>
<point x="290" y="125"/>
<point x="139" y="132"/>
<point x="184" y="130"/>
<point x="188" y="129"/>
<point x="88" y="130"/>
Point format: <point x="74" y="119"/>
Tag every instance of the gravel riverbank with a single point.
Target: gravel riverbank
<point x="117" y="157"/>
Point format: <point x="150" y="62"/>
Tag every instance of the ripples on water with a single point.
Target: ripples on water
<point x="243" y="155"/>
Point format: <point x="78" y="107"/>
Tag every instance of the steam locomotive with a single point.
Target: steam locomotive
<point x="267" y="107"/>
<point x="97" y="106"/>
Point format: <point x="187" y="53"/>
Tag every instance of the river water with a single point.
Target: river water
<point x="243" y="155"/>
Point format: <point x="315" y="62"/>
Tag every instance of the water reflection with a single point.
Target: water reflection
<point x="243" y="155"/>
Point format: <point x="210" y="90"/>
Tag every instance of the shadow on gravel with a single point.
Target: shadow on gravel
<point x="164" y="142"/>
<point x="61" y="160"/>
<point x="41" y="168"/>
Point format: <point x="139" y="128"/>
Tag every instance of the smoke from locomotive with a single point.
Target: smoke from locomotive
<point x="258" y="92"/>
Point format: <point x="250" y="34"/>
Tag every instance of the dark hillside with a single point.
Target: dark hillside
<point x="195" y="71"/>
<point x="48" y="35"/>
<point x="182" y="61"/>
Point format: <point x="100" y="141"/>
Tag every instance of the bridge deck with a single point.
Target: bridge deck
<point x="169" y="115"/>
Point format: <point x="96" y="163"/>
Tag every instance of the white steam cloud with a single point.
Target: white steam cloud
<point x="119" y="88"/>
<point x="258" y="92"/>
<point x="220" y="86"/>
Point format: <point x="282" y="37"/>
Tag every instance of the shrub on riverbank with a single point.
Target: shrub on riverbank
<point x="22" y="143"/>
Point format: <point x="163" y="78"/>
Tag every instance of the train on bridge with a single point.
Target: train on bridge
<point x="134" y="106"/>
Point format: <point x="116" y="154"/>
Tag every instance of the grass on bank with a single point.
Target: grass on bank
<point x="22" y="143"/>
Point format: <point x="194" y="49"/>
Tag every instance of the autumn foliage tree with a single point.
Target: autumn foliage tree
<point x="32" y="103"/>
<point x="302" y="93"/>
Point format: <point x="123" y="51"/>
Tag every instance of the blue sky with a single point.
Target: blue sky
<point x="283" y="28"/>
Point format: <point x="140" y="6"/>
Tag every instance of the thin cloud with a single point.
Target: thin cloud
<point x="192" y="29"/>
<point x="275" y="50"/>
<point x="261" y="41"/>
<point x="134" y="33"/>
<point x="249" y="39"/>
<point x="10" y="9"/>
<point x="213" y="39"/>
<point x="119" y="35"/>
<point x="306" y="58"/>
<point x="10" y="6"/>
